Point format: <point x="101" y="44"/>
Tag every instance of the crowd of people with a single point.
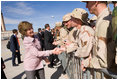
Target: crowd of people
<point x="94" y="40"/>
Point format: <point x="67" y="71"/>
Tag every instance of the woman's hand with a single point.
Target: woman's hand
<point x="54" y="43"/>
<point x="56" y="51"/>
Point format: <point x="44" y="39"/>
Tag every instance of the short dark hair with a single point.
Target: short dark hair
<point x="47" y="25"/>
<point x="14" y="30"/>
<point x="114" y="2"/>
<point x="39" y="29"/>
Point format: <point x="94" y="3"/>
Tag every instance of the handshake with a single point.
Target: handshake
<point x="58" y="50"/>
<point x="62" y="48"/>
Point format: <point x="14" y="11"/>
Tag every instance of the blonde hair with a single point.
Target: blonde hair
<point x="24" y="26"/>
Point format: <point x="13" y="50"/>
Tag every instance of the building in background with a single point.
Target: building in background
<point x="2" y="23"/>
<point x="5" y="35"/>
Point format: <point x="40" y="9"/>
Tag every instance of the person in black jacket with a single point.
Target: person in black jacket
<point x="15" y="47"/>
<point x="3" y="76"/>
<point x="48" y="40"/>
<point x="39" y="34"/>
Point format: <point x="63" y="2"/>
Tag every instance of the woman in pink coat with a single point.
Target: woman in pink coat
<point x="33" y="64"/>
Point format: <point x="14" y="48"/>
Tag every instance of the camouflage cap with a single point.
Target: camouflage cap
<point x="92" y="21"/>
<point x="93" y="18"/>
<point x="81" y="14"/>
<point x="67" y="17"/>
<point x="58" y="24"/>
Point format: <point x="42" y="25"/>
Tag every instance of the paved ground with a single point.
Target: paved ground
<point x="18" y="72"/>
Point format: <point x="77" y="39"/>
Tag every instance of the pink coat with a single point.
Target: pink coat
<point x="33" y="54"/>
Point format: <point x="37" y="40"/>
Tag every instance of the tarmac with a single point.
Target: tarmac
<point x="17" y="72"/>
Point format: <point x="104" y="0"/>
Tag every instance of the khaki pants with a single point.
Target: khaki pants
<point x="98" y="75"/>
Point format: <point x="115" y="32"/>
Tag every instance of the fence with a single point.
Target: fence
<point x="71" y="64"/>
<point x="6" y="35"/>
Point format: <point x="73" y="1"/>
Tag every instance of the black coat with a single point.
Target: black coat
<point x="14" y="44"/>
<point x="48" y="40"/>
<point x="40" y="38"/>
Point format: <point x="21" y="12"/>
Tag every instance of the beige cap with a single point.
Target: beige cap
<point x="81" y="14"/>
<point x="67" y="17"/>
<point x="58" y="24"/>
<point x="92" y="21"/>
<point x="93" y="18"/>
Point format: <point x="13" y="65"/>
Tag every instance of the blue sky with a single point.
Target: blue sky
<point x="38" y="13"/>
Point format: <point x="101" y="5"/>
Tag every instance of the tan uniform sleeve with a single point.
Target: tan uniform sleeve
<point x="72" y="47"/>
<point x="100" y="59"/>
<point x="63" y="33"/>
<point x="63" y="36"/>
<point x="103" y="27"/>
<point x="85" y="45"/>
